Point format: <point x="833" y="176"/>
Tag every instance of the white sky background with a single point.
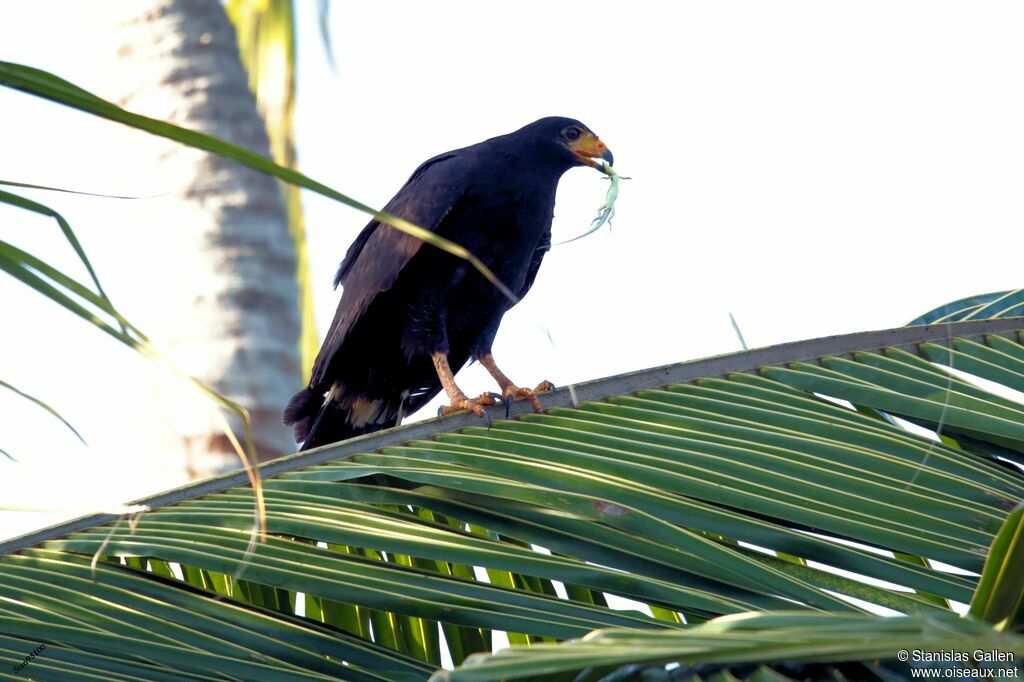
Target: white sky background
<point x="814" y="168"/>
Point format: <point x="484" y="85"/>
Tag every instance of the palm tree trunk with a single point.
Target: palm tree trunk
<point x="225" y="305"/>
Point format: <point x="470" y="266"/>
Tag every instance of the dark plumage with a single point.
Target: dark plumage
<point x="407" y="306"/>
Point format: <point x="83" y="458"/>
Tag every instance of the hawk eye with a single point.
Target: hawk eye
<point x="572" y="133"/>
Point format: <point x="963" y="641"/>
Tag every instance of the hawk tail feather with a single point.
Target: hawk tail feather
<point x="319" y="420"/>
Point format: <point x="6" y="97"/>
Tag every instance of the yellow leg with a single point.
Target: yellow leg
<point x="458" y="399"/>
<point x="509" y="391"/>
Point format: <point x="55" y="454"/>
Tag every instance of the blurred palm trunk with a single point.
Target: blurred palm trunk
<point x="266" y="40"/>
<point x="224" y="306"/>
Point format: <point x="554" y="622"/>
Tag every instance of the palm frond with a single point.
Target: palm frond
<point x="777" y="646"/>
<point x="722" y="486"/>
<point x="978" y="307"/>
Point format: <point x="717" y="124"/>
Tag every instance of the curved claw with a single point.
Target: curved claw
<point x="508" y="407"/>
<point x="544" y="387"/>
<point x="487" y="398"/>
<point x="513" y="392"/>
<point x="475" y="406"/>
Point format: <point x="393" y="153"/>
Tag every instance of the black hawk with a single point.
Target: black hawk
<point x="411" y="314"/>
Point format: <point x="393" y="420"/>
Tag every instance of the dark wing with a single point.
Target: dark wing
<point x="380" y="252"/>
<point x="413" y="195"/>
<point x="538" y="255"/>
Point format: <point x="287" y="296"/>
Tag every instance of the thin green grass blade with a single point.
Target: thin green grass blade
<point x="64" y="190"/>
<point x="69" y="235"/>
<point x="39" y="403"/>
<point x="42" y="84"/>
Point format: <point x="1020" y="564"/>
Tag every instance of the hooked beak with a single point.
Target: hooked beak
<point x="589" y="147"/>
